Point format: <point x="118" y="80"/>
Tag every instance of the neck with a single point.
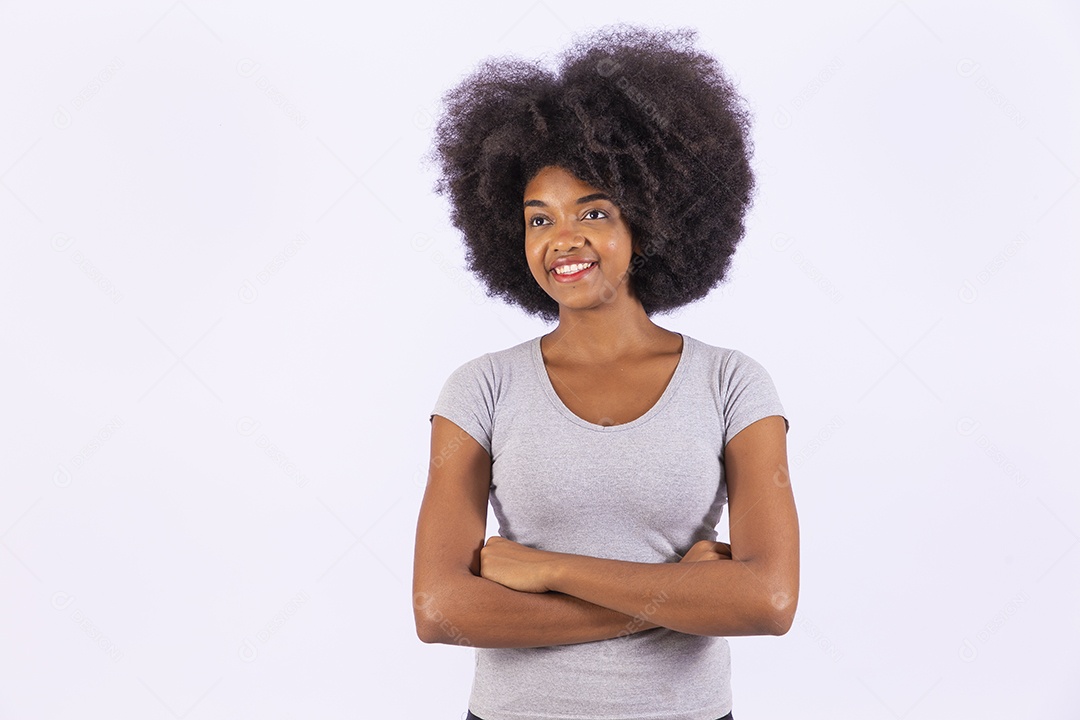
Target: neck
<point x="604" y="333"/>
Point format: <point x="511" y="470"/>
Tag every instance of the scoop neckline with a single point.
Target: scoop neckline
<point x="665" y="397"/>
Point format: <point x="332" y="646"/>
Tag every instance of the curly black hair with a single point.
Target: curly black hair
<point x="637" y="112"/>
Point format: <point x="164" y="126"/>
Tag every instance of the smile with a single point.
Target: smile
<point x="570" y="273"/>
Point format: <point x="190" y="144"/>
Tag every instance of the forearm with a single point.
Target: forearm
<point x="721" y="597"/>
<point x="477" y="612"/>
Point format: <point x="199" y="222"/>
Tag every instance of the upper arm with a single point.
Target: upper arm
<point x="761" y="513"/>
<point x="450" y="530"/>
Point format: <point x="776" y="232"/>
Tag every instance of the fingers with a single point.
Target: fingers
<point x="708" y="550"/>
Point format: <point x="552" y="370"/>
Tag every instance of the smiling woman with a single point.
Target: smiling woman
<point x="609" y="447"/>
<point x="560" y="210"/>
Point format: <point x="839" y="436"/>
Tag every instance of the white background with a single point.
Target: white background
<point x="230" y="298"/>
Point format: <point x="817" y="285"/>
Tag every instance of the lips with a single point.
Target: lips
<point x="572" y="277"/>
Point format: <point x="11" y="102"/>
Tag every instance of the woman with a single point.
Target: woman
<point x="597" y="197"/>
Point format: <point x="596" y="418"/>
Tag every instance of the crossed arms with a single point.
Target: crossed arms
<point x="503" y="594"/>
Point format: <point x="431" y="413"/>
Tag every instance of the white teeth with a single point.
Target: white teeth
<point x="571" y="269"/>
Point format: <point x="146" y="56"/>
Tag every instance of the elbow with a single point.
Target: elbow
<point x="426" y="631"/>
<point x="780" y="612"/>
<point x="780" y="624"/>
<point x="427" y="634"/>
<point x="428" y="617"/>
<point x="433" y="614"/>
<point x="769" y="603"/>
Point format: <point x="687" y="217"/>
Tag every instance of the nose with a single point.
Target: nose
<point x="568" y="236"/>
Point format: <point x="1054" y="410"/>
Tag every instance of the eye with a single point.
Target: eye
<point x="594" y="210"/>
<point x="534" y="218"/>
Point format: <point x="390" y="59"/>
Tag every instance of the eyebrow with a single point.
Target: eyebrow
<point x="580" y="200"/>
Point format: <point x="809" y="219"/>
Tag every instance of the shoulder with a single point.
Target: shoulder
<point x="744" y="390"/>
<point x="727" y="361"/>
<point x="491" y="369"/>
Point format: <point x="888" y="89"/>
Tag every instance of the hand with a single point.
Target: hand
<point x="516" y="566"/>
<point x="707" y="550"/>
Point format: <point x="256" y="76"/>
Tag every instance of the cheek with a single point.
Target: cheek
<point x="618" y="250"/>
<point x="535" y="261"/>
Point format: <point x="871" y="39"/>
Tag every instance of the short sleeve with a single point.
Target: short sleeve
<point x="468" y="400"/>
<point x="747" y="393"/>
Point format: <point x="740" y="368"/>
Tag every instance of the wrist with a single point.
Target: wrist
<point x="555" y="570"/>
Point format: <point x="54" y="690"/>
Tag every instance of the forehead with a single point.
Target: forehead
<point x="557" y="183"/>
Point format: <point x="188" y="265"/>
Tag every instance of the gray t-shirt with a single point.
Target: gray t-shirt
<point x="643" y="491"/>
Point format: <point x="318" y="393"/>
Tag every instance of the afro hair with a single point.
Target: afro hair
<point x="639" y="113"/>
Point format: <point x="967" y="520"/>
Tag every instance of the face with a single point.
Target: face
<point x="569" y="220"/>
